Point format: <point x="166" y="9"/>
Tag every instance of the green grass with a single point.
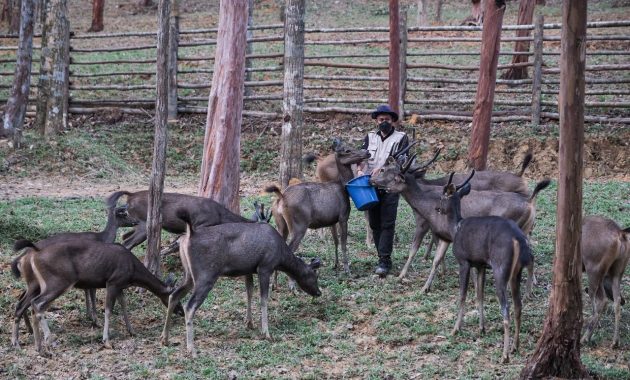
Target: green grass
<point x="361" y="326"/>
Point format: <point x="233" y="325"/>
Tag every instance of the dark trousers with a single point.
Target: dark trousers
<point x="382" y="219"/>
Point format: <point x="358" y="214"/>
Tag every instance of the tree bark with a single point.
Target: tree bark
<point x="525" y="17"/>
<point x="250" y="45"/>
<point x="557" y="352"/>
<point x="97" y="15"/>
<point x="45" y="71"/>
<point x="173" y="47"/>
<point x="293" y="97"/>
<point x="11" y="14"/>
<point x="220" y="164"/>
<point x="476" y="13"/>
<point x="438" y="11"/>
<point x="158" y="169"/>
<point x="422" y="13"/>
<point x="16" y="105"/>
<point x="394" y="55"/>
<point x="482" y="114"/>
<point x="59" y="49"/>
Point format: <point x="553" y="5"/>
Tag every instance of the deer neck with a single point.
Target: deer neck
<point x="108" y="235"/>
<point x="345" y="171"/>
<point x="143" y="278"/>
<point x="425" y="203"/>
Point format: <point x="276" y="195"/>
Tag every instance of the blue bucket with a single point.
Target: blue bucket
<point x="362" y="193"/>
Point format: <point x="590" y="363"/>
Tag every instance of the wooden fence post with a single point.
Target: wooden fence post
<point x="173" y="44"/>
<point x="403" y="62"/>
<point x="537" y="74"/>
<point x="394" y="55"/>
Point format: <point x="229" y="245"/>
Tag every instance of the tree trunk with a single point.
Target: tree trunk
<point x="250" y="45"/>
<point x="476" y="13"/>
<point x="145" y="3"/>
<point x="220" y="164"/>
<point x="293" y="97"/>
<point x="156" y="186"/>
<point x="45" y="71"/>
<point x="557" y="353"/>
<point x="394" y="56"/>
<point x="422" y="13"/>
<point x="59" y="49"/>
<point x="525" y="17"/>
<point x="11" y="14"/>
<point x="16" y="105"/>
<point x="173" y="47"/>
<point x="97" y="15"/>
<point x="438" y="11"/>
<point x="482" y="114"/>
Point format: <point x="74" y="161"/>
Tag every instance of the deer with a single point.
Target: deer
<point x="326" y="171"/>
<point x="206" y="212"/>
<point x="605" y="255"/>
<point x="116" y="218"/>
<point x="85" y="264"/>
<point x="424" y="199"/>
<point x="486" y="242"/>
<point x="231" y="250"/>
<point x="317" y="205"/>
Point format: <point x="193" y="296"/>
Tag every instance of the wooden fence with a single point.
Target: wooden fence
<point x="348" y="72"/>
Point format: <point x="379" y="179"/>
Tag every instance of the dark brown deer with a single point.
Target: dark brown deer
<point x="232" y="250"/>
<point x="487" y="242"/>
<point x="85" y="264"/>
<point x="317" y="205"/>
<point x="116" y="218"/>
<point x="605" y="255"/>
<point x="424" y="199"/>
<point x="204" y="212"/>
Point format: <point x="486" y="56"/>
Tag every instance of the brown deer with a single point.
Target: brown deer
<point x="605" y="254"/>
<point x="317" y="205"/>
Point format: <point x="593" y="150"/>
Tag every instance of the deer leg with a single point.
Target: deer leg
<point x="90" y="306"/>
<point x="24" y="302"/>
<point x="173" y="300"/>
<point x="616" y="288"/>
<point x="39" y="306"/>
<point x="439" y="256"/>
<point x="598" y="301"/>
<point x="505" y="312"/>
<point x="369" y="239"/>
<point x="249" y="288"/>
<point x="518" y="306"/>
<point x="123" y="305"/>
<point x="263" y="281"/>
<point x="418" y="236"/>
<point x="464" y="274"/>
<point x="335" y="236"/>
<point x="138" y="236"/>
<point x="110" y="300"/>
<point x="343" y="226"/>
<point x="200" y="293"/>
<point x="430" y="244"/>
<point x="480" y="281"/>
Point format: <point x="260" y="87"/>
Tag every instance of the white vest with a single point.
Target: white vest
<point x="381" y="149"/>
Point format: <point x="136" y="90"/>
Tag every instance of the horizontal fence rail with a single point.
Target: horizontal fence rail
<point x="346" y="71"/>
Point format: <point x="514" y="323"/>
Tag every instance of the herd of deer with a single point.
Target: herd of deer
<point x="487" y="216"/>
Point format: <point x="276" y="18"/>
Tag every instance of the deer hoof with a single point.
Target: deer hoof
<point x="164" y="341"/>
<point x="505" y="359"/>
<point x="615" y="344"/>
<point x="107" y="345"/>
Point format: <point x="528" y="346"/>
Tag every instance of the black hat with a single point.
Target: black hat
<point x="384" y="109"/>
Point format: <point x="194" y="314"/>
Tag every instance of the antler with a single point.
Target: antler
<point x="402" y="151"/>
<point x="407" y="164"/>
<point x="425" y="165"/>
<point x="466" y="181"/>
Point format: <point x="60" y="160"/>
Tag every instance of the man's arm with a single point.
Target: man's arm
<point x="361" y="166"/>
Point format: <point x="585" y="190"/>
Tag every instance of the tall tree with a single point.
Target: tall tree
<point x="394" y="56"/>
<point x="250" y="45"/>
<point x="97" y="15"/>
<point x="158" y="169"/>
<point x="423" y="10"/>
<point x="557" y="352"/>
<point x="438" y="11"/>
<point x="220" y="163"/>
<point x="525" y="17"/>
<point x="18" y="100"/>
<point x="11" y="14"/>
<point x="293" y="97"/>
<point x="482" y="114"/>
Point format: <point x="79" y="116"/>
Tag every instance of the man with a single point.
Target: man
<point x="382" y="217"/>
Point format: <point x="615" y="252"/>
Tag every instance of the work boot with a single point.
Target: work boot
<point x="384" y="266"/>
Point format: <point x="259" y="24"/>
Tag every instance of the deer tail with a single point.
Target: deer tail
<point x="516" y="253"/>
<point x="309" y="158"/>
<point x="275" y="190"/>
<point x="113" y="199"/>
<point x="15" y="264"/>
<point x="539" y="187"/>
<point x="526" y="161"/>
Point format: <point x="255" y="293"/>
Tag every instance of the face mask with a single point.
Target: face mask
<point x="385" y="127"/>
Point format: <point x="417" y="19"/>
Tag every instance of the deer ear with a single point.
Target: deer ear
<point x="315" y="263"/>
<point x="464" y="190"/>
<point x="449" y="190"/>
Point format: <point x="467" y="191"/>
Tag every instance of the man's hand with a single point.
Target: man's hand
<point x="360" y="173"/>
